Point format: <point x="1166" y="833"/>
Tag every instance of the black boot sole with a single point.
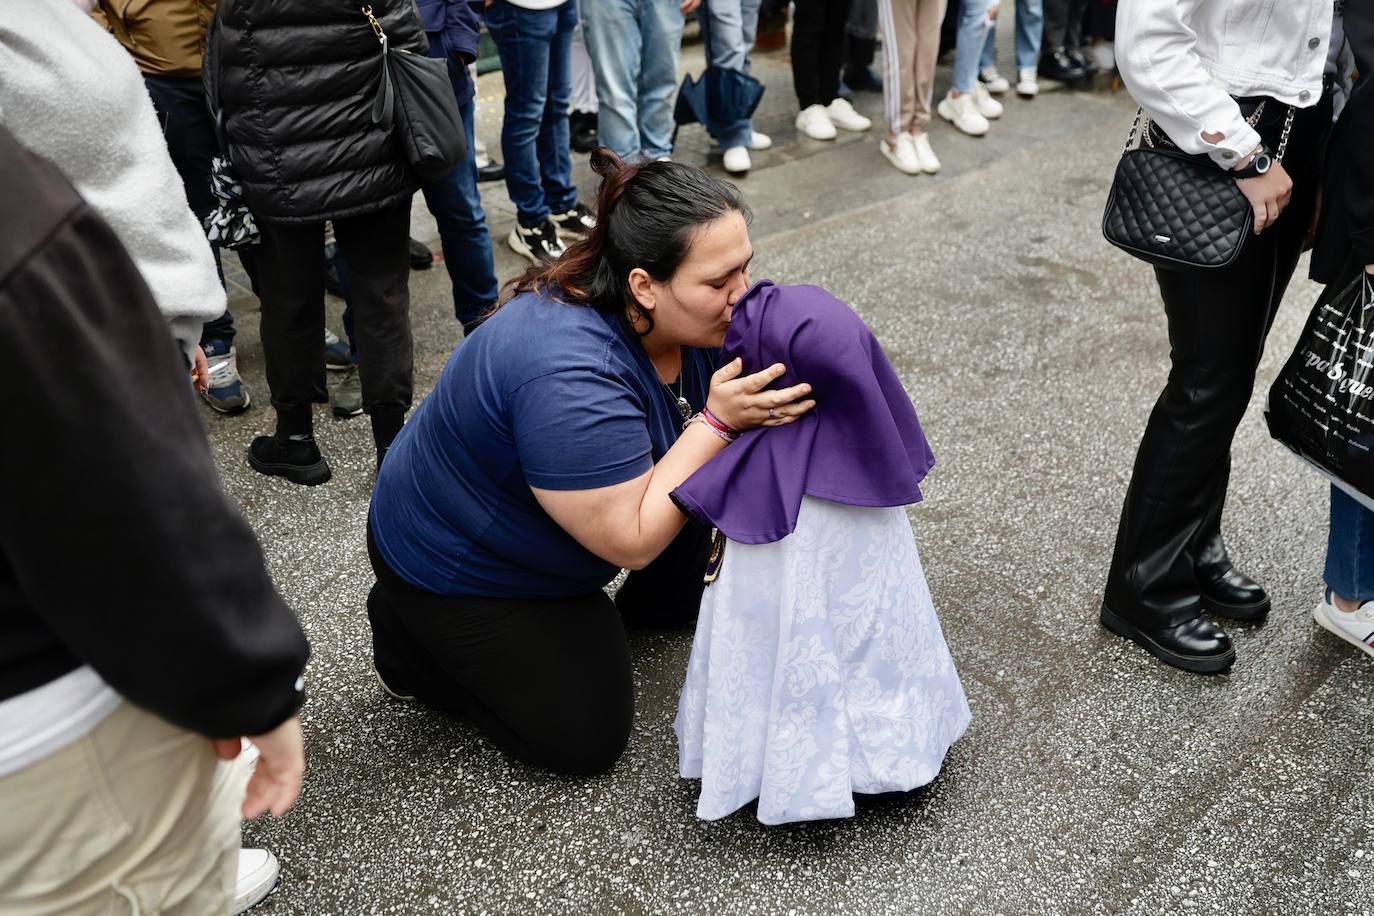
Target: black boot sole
<point x="1198" y="664"/>
<point x="1242" y="612"/>
<point x="307" y="475"/>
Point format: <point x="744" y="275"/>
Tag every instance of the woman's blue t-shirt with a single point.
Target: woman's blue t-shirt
<point x="545" y="394"/>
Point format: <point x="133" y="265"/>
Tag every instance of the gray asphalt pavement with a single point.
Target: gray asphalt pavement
<point x="1093" y="779"/>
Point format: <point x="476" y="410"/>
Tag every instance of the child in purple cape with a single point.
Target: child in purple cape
<point x="818" y="669"/>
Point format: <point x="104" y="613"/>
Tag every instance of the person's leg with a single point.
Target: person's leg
<point x="808" y="27"/>
<point x="610" y="28"/>
<point x="988" y="60"/>
<point x="1030" y="26"/>
<point x="290" y="267"/>
<point x="660" y="29"/>
<point x="555" y="152"/>
<point x="861" y="34"/>
<point x="1056" y="23"/>
<point x="582" y="86"/>
<point x="968" y="50"/>
<point x="138" y="816"/>
<point x="457" y="209"/>
<point x="898" y="20"/>
<point x="376" y="246"/>
<point x="723" y="34"/>
<point x="667" y="592"/>
<point x="522" y="40"/>
<point x="1349" y="569"/>
<point x="928" y="16"/>
<point x="545" y="680"/>
<point x="830" y="58"/>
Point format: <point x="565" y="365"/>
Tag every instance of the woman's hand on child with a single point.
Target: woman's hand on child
<point x="745" y="401"/>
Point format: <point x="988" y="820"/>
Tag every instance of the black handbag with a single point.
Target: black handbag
<point x="415" y="97"/>
<point x="1176" y="210"/>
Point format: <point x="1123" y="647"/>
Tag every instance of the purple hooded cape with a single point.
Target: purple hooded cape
<point x="862" y="444"/>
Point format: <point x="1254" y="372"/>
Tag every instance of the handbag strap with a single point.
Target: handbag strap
<point x="1252" y="120"/>
<point x="382" y="105"/>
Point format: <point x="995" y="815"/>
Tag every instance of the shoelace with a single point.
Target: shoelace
<point x="224" y="370"/>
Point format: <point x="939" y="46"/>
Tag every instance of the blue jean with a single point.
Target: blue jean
<point x="968" y="48"/>
<point x="728" y="29"/>
<point x="1350" y="548"/>
<point x="1030" y="27"/>
<point x="457" y="209"/>
<point x="535" y="47"/>
<point x="634" y="49"/>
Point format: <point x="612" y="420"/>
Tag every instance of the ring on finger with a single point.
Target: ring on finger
<point x="770" y="413"/>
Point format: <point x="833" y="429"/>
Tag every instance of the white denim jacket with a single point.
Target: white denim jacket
<point x="1184" y="60"/>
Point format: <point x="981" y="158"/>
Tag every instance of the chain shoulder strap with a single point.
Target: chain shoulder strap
<point x="1141" y="124"/>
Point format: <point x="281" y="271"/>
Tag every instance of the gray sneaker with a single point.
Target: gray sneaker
<point x="347" y="399"/>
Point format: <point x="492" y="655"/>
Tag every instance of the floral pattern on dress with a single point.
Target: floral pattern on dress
<point x="818" y="670"/>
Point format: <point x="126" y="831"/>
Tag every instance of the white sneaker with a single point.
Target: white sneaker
<point x="758" y="141"/>
<point x="902" y="154"/>
<point x="987" y="106"/>
<point x="815" y="123"/>
<point x="1356" y="628"/>
<point x="1027" y="83"/>
<point x="930" y="164"/>
<point x="736" y="160"/>
<point x="963" y="114"/>
<point x="843" y="115"/>
<point x="995" y="82"/>
<point x="258" y="871"/>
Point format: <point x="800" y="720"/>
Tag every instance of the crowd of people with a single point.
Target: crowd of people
<point x="664" y="421"/>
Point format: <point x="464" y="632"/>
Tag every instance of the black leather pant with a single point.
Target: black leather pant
<point x="1218" y="321"/>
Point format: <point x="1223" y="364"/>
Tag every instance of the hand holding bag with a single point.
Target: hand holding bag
<point x="1322" y="404"/>
<point x="416" y="98"/>
<point x="1176" y="210"/>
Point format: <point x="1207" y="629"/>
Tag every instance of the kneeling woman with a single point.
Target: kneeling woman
<point x="543" y="461"/>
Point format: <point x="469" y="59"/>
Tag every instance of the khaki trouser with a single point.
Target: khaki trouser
<point x="138" y="817"/>
<point x="911" y="42"/>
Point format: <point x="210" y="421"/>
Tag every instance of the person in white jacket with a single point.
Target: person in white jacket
<point x="73" y="95"/>
<point x="1239" y="82"/>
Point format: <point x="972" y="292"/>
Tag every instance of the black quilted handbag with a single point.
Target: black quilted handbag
<point x="1176" y="210"/>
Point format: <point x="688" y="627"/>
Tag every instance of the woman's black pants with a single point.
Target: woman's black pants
<point x="1218" y="320"/>
<point x="547" y="680"/>
<point x="818" y="30"/>
<point x="290" y="274"/>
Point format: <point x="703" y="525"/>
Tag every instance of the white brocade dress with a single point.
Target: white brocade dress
<point x="818" y="670"/>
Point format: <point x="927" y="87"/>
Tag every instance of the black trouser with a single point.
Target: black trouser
<point x="290" y="264"/>
<point x="818" y="30"/>
<point x="190" y="136"/>
<point x="547" y="680"/>
<point x="1218" y="320"/>
<point x="1063" y="24"/>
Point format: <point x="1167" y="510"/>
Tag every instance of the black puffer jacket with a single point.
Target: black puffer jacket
<point x="294" y="82"/>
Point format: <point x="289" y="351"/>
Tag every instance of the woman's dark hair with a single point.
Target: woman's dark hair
<point x="646" y="216"/>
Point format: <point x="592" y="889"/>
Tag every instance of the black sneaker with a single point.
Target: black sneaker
<point x="421" y="258"/>
<point x="1082" y="61"/>
<point x="297" y="458"/>
<point x="582" y="131"/>
<point x="492" y="171"/>
<point x="540" y="243"/>
<point x="1057" y="65"/>
<point x="577" y="222"/>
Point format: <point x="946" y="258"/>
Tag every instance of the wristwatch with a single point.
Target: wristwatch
<point x="1260" y="163"/>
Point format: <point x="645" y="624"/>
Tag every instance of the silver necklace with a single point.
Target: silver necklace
<point x="684" y="407"/>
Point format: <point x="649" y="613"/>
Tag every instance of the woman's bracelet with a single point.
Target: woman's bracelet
<point x="719" y="425"/>
<point x="718" y="428"/>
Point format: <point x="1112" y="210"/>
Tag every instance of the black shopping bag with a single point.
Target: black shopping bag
<point x="1322" y="404"/>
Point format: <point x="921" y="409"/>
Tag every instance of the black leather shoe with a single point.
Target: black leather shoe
<point x="297" y="458"/>
<point x="1082" y="61"/>
<point x="492" y="171"/>
<point x="1057" y="65"/>
<point x="1196" y="645"/>
<point x="1231" y="594"/>
<point x="421" y="258"/>
<point x="582" y="131"/>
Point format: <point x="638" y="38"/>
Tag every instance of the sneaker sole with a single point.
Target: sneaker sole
<point x="344" y="413"/>
<point x="255" y="896"/>
<point x="1242" y="612"/>
<point x="940" y="110"/>
<point x="228" y="411"/>
<point x="565" y="233"/>
<point x="309" y="475"/>
<point x="1320" y="616"/>
<point x="339" y="367"/>
<point x="386" y="687"/>
<point x="1198" y="664"/>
